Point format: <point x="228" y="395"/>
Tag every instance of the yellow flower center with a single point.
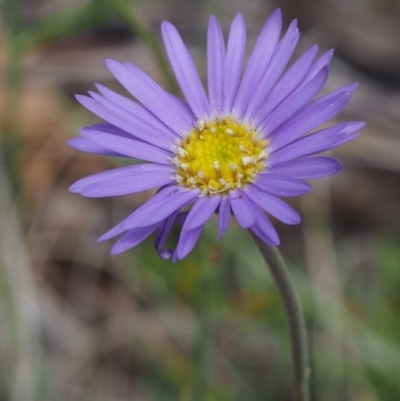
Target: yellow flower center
<point x="219" y="156"/>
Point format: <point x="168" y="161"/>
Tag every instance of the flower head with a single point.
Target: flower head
<point x="235" y="151"/>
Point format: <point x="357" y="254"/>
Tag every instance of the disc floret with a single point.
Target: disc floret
<point x="219" y="156"/>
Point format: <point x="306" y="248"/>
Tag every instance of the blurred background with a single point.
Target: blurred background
<point x="77" y="324"/>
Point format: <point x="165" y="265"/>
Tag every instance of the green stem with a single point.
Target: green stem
<point x="295" y="317"/>
<point x="147" y="36"/>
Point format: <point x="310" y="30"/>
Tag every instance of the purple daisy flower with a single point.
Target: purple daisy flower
<point x="235" y="151"/>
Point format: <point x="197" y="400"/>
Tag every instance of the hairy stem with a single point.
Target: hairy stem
<point x="294" y="313"/>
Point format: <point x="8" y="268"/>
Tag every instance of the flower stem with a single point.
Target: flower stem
<point x="298" y="337"/>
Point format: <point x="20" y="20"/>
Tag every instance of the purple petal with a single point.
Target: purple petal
<point x="162" y="205"/>
<point x="155" y="132"/>
<point x="185" y="109"/>
<point x="85" y="145"/>
<point x="275" y="68"/>
<point x="289" y="82"/>
<point x="308" y="145"/>
<point x="201" y="211"/>
<point x="132" y="220"/>
<point x="281" y="186"/>
<point x="128" y="147"/>
<point x="348" y="134"/>
<point x="111" y="129"/>
<point x="264" y="237"/>
<point x="242" y="208"/>
<point x="132" y="238"/>
<point x="264" y="229"/>
<point x="259" y="60"/>
<point x="215" y="63"/>
<point x="327" y="141"/>
<point x="181" y="217"/>
<point x="342" y="139"/>
<point x="187" y="241"/>
<point x="307" y="120"/>
<point x="171" y="203"/>
<point x="137" y="111"/>
<point x="273" y="205"/>
<point x="185" y="70"/>
<point x="125" y="121"/>
<point x="88" y="146"/>
<point x="308" y="167"/>
<point x="224" y="216"/>
<point x="162" y="235"/>
<point x="234" y="61"/>
<point x="165" y="253"/>
<point x="354" y="126"/>
<point x="151" y="95"/>
<point x="119" y="173"/>
<point x="322" y="62"/>
<point x="348" y="88"/>
<point x="128" y="184"/>
<point x="294" y="103"/>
